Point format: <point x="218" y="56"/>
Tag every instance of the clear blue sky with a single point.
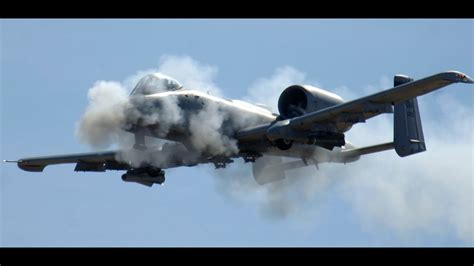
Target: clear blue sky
<point x="47" y="66"/>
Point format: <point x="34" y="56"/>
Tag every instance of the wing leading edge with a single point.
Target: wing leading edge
<point x="170" y="155"/>
<point x="355" y="111"/>
<point x="380" y="102"/>
<point x="96" y="161"/>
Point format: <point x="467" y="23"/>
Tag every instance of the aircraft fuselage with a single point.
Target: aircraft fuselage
<point x="172" y="114"/>
<point x="198" y="107"/>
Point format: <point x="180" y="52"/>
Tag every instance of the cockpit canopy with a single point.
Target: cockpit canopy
<point x="155" y="83"/>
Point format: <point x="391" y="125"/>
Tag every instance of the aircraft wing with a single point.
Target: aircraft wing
<point x="366" y="107"/>
<point x="168" y="156"/>
<point x="353" y="154"/>
<point x="355" y="111"/>
<point x="95" y="161"/>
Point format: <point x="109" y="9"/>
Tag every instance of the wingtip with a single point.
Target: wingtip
<point x="468" y="79"/>
<point x="464" y="78"/>
<point x="458" y="76"/>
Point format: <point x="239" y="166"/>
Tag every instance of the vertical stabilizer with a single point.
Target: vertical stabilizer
<point x="408" y="133"/>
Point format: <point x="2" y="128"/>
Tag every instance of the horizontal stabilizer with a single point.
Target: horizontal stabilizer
<point x="350" y="155"/>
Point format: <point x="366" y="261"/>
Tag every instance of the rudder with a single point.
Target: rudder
<point x="408" y="132"/>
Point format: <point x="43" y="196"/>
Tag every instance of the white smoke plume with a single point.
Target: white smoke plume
<point x="189" y="72"/>
<point x="296" y="197"/>
<point x="427" y="194"/>
<point x="267" y="90"/>
<point x="285" y="198"/>
<point x="100" y="125"/>
<point x="206" y="133"/>
<point x="110" y="111"/>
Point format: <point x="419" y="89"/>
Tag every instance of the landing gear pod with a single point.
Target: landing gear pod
<point x="408" y="133"/>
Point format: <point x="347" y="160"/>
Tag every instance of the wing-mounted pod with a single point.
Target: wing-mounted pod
<point x="408" y="132"/>
<point x="298" y="100"/>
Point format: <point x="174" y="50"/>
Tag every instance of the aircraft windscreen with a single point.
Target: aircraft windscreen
<point x="155" y="83"/>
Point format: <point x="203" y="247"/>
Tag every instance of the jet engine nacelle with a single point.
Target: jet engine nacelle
<point x="298" y="100"/>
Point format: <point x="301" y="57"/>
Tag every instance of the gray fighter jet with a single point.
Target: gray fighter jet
<point x="309" y="129"/>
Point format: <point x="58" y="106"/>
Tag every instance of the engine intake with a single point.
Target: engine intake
<point x="298" y="100"/>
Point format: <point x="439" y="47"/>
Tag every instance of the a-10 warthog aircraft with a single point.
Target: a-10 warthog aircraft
<point x="309" y="129"/>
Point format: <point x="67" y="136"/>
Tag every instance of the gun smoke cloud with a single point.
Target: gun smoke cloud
<point x="100" y="124"/>
<point x="428" y="194"/>
<point x="109" y="109"/>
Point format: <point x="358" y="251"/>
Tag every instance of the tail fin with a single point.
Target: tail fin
<point x="408" y="133"/>
<point x="408" y="136"/>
